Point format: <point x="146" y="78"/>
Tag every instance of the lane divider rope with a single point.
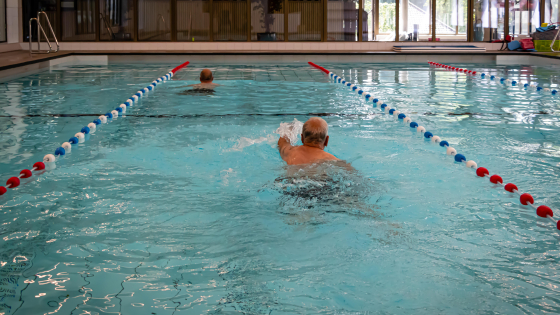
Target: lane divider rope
<point x="79" y="137"/>
<point x="525" y="199"/>
<point x="482" y="76"/>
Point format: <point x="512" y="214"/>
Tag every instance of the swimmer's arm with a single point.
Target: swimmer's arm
<point x="284" y="147"/>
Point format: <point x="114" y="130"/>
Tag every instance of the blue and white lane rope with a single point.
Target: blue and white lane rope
<point x="79" y="137"/>
<point x="504" y="81"/>
<point x="525" y="199"/>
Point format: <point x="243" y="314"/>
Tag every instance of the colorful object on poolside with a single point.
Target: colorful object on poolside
<point x="79" y="137"/>
<point x="525" y="199"/>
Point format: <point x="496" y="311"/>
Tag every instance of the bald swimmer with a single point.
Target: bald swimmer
<point x="206" y="81"/>
<point x="314" y="137"/>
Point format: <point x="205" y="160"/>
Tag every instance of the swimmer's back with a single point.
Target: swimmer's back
<point x="295" y="155"/>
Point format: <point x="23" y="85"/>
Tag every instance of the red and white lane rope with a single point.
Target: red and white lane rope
<point x="504" y="81"/>
<point x="525" y="199"/>
<point x="80" y="137"/>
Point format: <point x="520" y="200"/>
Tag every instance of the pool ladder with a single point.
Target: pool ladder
<point x="39" y="31"/>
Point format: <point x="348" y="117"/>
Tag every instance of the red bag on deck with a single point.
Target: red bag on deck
<point x="526" y="43"/>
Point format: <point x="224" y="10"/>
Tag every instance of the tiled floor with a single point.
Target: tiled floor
<point x="21" y="56"/>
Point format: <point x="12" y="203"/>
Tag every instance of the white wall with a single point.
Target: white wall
<point x="13" y="20"/>
<point x="13" y="23"/>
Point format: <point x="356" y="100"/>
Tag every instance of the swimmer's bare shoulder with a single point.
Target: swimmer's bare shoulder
<point x="204" y="85"/>
<point x="294" y="155"/>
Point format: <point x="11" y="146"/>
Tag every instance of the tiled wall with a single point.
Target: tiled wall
<point x="245" y="46"/>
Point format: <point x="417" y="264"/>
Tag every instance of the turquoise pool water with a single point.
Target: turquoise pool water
<point x="184" y="206"/>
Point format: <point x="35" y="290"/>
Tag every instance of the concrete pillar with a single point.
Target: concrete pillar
<point x="13" y="21"/>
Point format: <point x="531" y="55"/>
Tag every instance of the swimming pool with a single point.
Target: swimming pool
<point x="184" y="205"/>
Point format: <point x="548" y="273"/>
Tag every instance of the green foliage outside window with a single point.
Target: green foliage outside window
<point x="386" y="17"/>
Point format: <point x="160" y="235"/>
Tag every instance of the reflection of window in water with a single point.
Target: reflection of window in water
<point x="198" y="92"/>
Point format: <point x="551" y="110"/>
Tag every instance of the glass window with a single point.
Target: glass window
<point x="193" y="20"/>
<point x="116" y="19"/>
<point x="229" y="20"/>
<point x="524" y="17"/>
<point x="267" y="20"/>
<point x="342" y="20"/>
<point x="551" y="11"/>
<point x="3" y="33"/>
<point x="451" y="20"/>
<point x="385" y="28"/>
<point x="415" y="20"/>
<point x="305" y="20"/>
<point x="154" y="20"/>
<point x="30" y="9"/>
<point x="488" y="20"/>
<point x="367" y="21"/>
<point x="78" y="21"/>
<point x="378" y="20"/>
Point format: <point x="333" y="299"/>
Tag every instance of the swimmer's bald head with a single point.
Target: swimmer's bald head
<point x="315" y="132"/>
<point x="206" y="76"/>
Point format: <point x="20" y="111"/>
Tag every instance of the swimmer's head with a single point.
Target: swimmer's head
<point x="315" y="133"/>
<point x="206" y="76"/>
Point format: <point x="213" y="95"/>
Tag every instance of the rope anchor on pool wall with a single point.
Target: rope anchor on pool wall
<point x="525" y="199"/>
<point x="79" y="137"/>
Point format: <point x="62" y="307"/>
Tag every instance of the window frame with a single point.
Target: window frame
<point x="323" y="34"/>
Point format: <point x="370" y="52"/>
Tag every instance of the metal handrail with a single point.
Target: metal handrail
<point x="554" y="39"/>
<point x="40" y="30"/>
<point x="107" y="26"/>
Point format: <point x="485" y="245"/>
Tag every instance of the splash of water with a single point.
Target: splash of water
<point x="244" y="142"/>
<point x="291" y="130"/>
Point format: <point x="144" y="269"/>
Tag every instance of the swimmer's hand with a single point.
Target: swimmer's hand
<point x="284" y="145"/>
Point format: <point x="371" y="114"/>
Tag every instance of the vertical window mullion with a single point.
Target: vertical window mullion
<point x="286" y="11"/>
<point x="360" y="19"/>
<point x="211" y="20"/>
<point x="397" y="20"/>
<point x="433" y="9"/>
<point x="248" y="23"/>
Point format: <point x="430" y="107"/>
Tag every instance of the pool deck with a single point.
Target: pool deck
<point x="16" y="63"/>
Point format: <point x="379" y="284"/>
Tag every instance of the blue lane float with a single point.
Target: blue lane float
<point x="505" y="81"/>
<point x="79" y="137"/>
<point x="114" y="114"/>
<point x="525" y="199"/>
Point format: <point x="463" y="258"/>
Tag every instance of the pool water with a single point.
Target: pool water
<point x="184" y="205"/>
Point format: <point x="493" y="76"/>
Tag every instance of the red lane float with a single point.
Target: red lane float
<point x="179" y="67"/>
<point x="525" y="199"/>
<point x="495" y="179"/>
<point x="510" y="187"/>
<point x="14" y="182"/>
<point x="544" y="211"/>
<point x="482" y="171"/>
<point x="318" y="67"/>
<point x="25" y="174"/>
<point x="451" y="68"/>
